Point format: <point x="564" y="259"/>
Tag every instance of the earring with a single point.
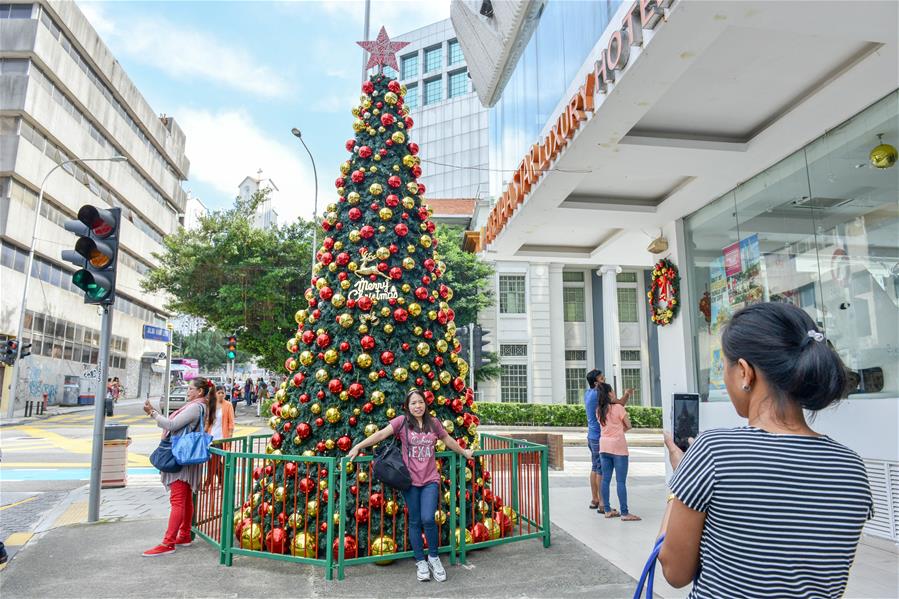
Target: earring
<point x="745" y="387"/>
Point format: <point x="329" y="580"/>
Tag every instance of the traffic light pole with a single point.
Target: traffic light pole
<point x="93" y="506"/>
<point x="471" y="366"/>
<point x="167" y="383"/>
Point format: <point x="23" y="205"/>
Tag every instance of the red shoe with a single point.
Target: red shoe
<point x="185" y="542"/>
<point x="161" y="549"/>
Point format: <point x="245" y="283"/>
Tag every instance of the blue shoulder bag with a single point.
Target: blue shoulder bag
<point x="649" y="570"/>
<point x="192" y="447"/>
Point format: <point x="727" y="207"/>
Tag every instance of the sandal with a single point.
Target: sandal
<point x="630" y="518"/>
<point x="612" y="514"/>
<point x="593" y="505"/>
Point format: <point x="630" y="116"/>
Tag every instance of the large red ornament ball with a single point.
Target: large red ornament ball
<point x="394" y="181"/>
<point x="368" y="87"/>
<point x="320" y="422"/>
<point x="355" y="213"/>
<point x="394" y="86"/>
<point x="392" y="200"/>
<point x="356" y="390"/>
<point x="326" y="258"/>
<point x="430" y="265"/>
<point x="290" y="469"/>
<point x="362" y="515"/>
<point x="396" y="273"/>
<point x="387" y="358"/>
<point x="421" y="293"/>
<point x="350" y="144"/>
<point x="376" y="501"/>
<point x="364" y="152"/>
<point x="304" y="430"/>
<point x="276" y="540"/>
<point x="344" y="443"/>
<point x="387" y="119"/>
<point x="479" y="533"/>
<point x="368" y="407"/>
<point x="401" y="229"/>
<point x="458" y="384"/>
<point x="367" y="342"/>
<point x="364" y="303"/>
<point x="416" y="171"/>
<point x="400" y="315"/>
<point x="339" y="182"/>
<point x="326" y="293"/>
<point x="323" y="340"/>
<point x="343" y="259"/>
<point x="353" y="421"/>
<point x="367" y="231"/>
<point x="350" y="549"/>
<point x="358" y="176"/>
<point x="412" y="147"/>
<point x="308" y="336"/>
<point x="276" y="440"/>
<point x="335" y="386"/>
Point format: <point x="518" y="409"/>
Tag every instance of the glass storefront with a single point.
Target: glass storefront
<point x="565" y="34"/>
<point x="820" y="229"/>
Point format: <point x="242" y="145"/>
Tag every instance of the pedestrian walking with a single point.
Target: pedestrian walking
<point x="248" y="392"/>
<point x="219" y="424"/>
<point x="613" y="450"/>
<point x="594" y="379"/>
<point x="772" y="509"/>
<point x="116" y="389"/>
<point x="181" y="484"/>
<point x="418" y="432"/>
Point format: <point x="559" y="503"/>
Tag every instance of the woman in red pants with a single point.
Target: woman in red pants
<point x="182" y="484"/>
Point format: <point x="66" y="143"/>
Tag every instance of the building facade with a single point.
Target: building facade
<point x="265" y="217"/>
<point x="450" y="123"/>
<point x="656" y="128"/>
<point x="64" y="96"/>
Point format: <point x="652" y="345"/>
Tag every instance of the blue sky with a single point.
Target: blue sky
<point x="238" y="75"/>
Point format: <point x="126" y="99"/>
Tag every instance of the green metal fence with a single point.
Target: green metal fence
<point x="512" y="474"/>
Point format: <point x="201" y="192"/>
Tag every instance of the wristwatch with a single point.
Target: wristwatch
<point x="670" y="498"/>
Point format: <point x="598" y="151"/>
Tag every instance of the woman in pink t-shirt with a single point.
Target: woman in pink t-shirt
<point x="613" y="452"/>
<point x="418" y="432"/>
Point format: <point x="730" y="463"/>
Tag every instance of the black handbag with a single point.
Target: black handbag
<point x="388" y="467"/>
<point x="163" y="459"/>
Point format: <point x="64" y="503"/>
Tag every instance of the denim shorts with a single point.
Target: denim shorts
<point x="593" y="444"/>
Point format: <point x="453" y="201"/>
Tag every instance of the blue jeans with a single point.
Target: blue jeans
<point x="619" y="464"/>
<point x="422" y="503"/>
<point x="595" y="463"/>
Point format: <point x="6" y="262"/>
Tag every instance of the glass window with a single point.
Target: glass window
<point x="575" y="355"/>
<point x="454" y="53"/>
<point x="19" y="260"/>
<point x="433" y="59"/>
<point x="390" y="73"/>
<point x="513" y="383"/>
<point x="575" y="385"/>
<point x="820" y="230"/>
<point x="15" y="11"/>
<point x="411" y="99"/>
<point x="7" y="258"/>
<point x="630" y="355"/>
<point x="409" y="66"/>
<point x="572" y="276"/>
<point x="513" y="350"/>
<point x="631" y="379"/>
<point x="573" y="304"/>
<point x="627" y="304"/>
<point x="626" y="277"/>
<point x="511" y="294"/>
<point x="458" y="84"/>
<point x="432" y="91"/>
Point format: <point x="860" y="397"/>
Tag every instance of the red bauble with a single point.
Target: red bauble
<point x="355" y="213"/>
<point x="400" y="315"/>
<point x="320" y="446"/>
<point x="412" y="147"/>
<point x="364" y="303"/>
<point x="358" y="176"/>
<point x="344" y="346"/>
<point x="401" y="229"/>
<point x="304" y="398"/>
<point x="394" y="181"/>
<point x="409" y="123"/>
<point x="276" y="440"/>
<point x="458" y="384"/>
<point x="287" y="427"/>
<point x="263" y="508"/>
<point x="392" y="200"/>
<point x="416" y="170"/>
<point x="382" y="373"/>
<point x="429" y="397"/>
<point x="347" y="367"/>
<point x="335" y="386"/>
<point x="308" y="336"/>
<point x="396" y="273"/>
<point x="354" y="490"/>
<point x="239" y="528"/>
<point x="504" y="521"/>
<point x="353" y="421"/>
<point x="350" y="549"/>
<point x="326" y="258"/>
<point x="368" y="87"/>
<point x="344" y="443"/>
<point x="356" y="390"/>
<point x="421" y="293"/>
<point x="319" y="421"/>
<point x="320" y="394"/>
<point x="368" y="407"/>
<point x="376" y="501"/>
<point x="276" y="540"/>
<point x="438" y="360"/>
<point x="428" y="335"/>
<point x="362" y="515"/>
<point x="387" y="358"/>
<point x="350" y="144"/>
<point x="326" y="293"/>
<point x="323" y="340"/>
<point x="430" y="265"/>
<point x="367" y="231"/>
<point x="343" y="259"/>
<point x="389" y="143"/>
<point x="306" y="485"/>
<point x="364" y="152"/>
<point x="405" y="347"/>
<point x="374" y="206"/>
<point x="383" y="151"/>
<point x="367" y="342"/>
<point x="387" y="119"/>
<point x="479" y="533"/>
<point x="290" y="469"/>
<point x="394" y="86"/>
<point x="257" y="473"/>
<point x="339" y="182"/>
<point x="304" y="430"/>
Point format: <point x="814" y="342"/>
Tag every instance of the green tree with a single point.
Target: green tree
<point x="208" y="347"/>
<point x="238" y="277"/>
<point x="466" y="273"/>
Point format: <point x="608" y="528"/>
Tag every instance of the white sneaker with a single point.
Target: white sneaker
<point x="437" y="569"/>
<point x="424" y="574"/>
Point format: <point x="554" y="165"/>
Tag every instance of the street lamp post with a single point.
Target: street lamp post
<point x="10" y="412"/>
<point x="298" y="135"/>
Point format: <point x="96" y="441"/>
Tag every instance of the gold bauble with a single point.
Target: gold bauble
<point x="408" y="264"/>
<point x="370" y="429"/>
<point x="304" y="545"/>
<point x="355" y="236"/>
<point x="321" y="375"/>
<point x="331" y="355"/>
<point x="322" y="282"/>
<point x="391" y="508"/>
<point x="350" y="467"/>
<point x="278" y="494"/>
<point x="411" y="248"/>
<point x="382" y="253"/>
<point x="366" y="102"/>
<point x="372" y="131"/>
<point x="345" y="284"/>
<point x="344" y="396"/>
<point x="358" y="125"/>
<point x="345" y="167"/>
<point x="468" y="539"/>
<point x="329" y="445"/>
<point x="493" y="529"/>
<point x="382" y="545"/>
<point x="251" y="537"/>
<point x="356" y="111"/>
<point x="274" y="422"/>
<point x="306" y="358"/>
<point x="390" y="412"/>
<point x="435" y="385"/>
<point x="440" y="445"/>
<point x="390" y="98"/>
<point x="445" y="377"/>
<point x="332" y="415"/>
<point x="432" y="314"/>
<point x="300" y="316"/>
<point x="332" y="267"/>
<point x="400" y="375"/>
<point x="462" y="365"/>
<point x="353" y="198"/>
<point x="382" y="129"/>
<point x="446" y="497"/>
<point x="512" y="514"/>
<point x="375" y="189"/>
<point x="423" y="349"/>
<point x="295" y="520"/>
<point x="373" y="376"/>
<point x="408" y="203"/>
<point x="409" y="160"/>
<point x="483" y="506"/>
<point x="308" y="453"/>
<point x="440" y="517"/>
<point x="345" y="320"/>
<point x="473" y="430"/>
<point x="883" y="156"/>
<point x="398" y="137"/>
<point x="362" y="475"/>
<point x="336" y="517"/>
<point x="448" y="425"/>
<point x="396" y="168"/>
<point x="441" y="346"/>
<point x="316" y="408"/>
<point x="311" y="508"/>
<point x="414" y="365"/>
<point x="459" y="421"/>
<point x="363" y="360"/>
<point x="388" y="328"/>
<point x="417" y="331"/>
<point x="376" y="158"/>
<point x="363" y="328"/>
<point x="425" y="241"/>
<point x="426" y="368"/>
<point x="378" y="397"/>
<point x="385" y="213"/>
<point x="338" y="299"/>
<point x="385" y="312"/>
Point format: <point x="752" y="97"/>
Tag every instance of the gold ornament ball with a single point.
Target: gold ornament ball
<point x="300" y="316"/>
<point x="274" y="422"/>
<point x="345" y="320"/>
<point x="396" y="168"/>
<point x="385" y="213"/>
<point x="295" y="520"/>
<point x="345" y="284"/>
<point x="373" y="376"/>
<point x="883" y="156"/>
<point x="388" y="328"/>
<point x="378" y="397"/>
<point x="408" y="264"/>
<point x="390" y="98"/>
<point x="409" y="160"/>
<point x="512" y="514"/>
<point x="467" y="474"/>
<point x="398" y="137"/>
<point x="391" y="508"/>
<point x="338" y="299"/>
<point x="442" y="346"/>
<point x="308" y="453"/>
<point x="382" y="253"/>
<point x="426" y="368"/>
<point x="303" y="545"/>
<point x="278" y="494"/>
<point x="473" y="430"/>
<point x="400" y="375"/>
<point x="483" y="507"/>
<point x="435" y="385"/>
<point x="414" y="365"/>
<point x="306" y="358"/>
<point x="363" y="360"/>
<point x="345" y="167"/>
<point x="344" y="396"/>
<point x="468" y="539"/>
<point x="251" y="537"/>
<point x="316" y="408"/>
<point x="414" y="309"/>
<point x="390" y="412"/>
<point x="411" y="248"/>
<point x="321" y="375"/>
<point x="493" y="529"/>
<point x="432" y="314"/>
<point x="408" y="203"/>
<point x="332" y="415"/>
<point x="440" y="445"/>
<point x="370" y="429"/>
<point x="445" y="377"/>
<point x="417" y="331"/>
<point x="385" y="312"/>
<point x="331" y="355"/>
<point x="362" y="475"/>
<point x="355" y="236"/>
<point x="425" y="241"/>
<point x="459" y="420"/>
<point x="322" y="282"/>
<point x="440" y="517"/>
<point x="422" y="349"/>
<point x="363" y="328"/>
<point x="311" y="508"/>
<point x="329" y="444"/>
<point x="383" y="545"/>
<point x="375" y="189"/>
<point x="448" y="425"/>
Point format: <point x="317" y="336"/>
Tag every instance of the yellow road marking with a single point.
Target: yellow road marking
<point x="74" y="514"/>
<point x="17" y="539"/>
<point x="6" y="507"/>
<point x="11" y="465"/>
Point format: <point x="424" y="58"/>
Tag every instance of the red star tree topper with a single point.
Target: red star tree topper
<point x="382" y="52"/>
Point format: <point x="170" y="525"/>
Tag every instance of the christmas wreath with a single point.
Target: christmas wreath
<point x="663" y="296"/>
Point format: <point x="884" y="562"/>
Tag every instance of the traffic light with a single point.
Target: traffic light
<point x="10" y="350"/>
<point x="96" y="252"/>
<point x="462" y="336"/>
<point x="232" y="347"/>
<point x="479" y="359"/>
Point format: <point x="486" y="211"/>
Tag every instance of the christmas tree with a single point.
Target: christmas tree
<point x="378" y="323"/>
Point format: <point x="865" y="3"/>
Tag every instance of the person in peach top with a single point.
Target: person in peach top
<point x="613" y="452"/>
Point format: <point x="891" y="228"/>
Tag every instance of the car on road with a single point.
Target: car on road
<point x="178" y="394"/>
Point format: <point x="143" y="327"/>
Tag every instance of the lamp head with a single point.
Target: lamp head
<point x="118" y="159"/>
<point x="296" y="132"/>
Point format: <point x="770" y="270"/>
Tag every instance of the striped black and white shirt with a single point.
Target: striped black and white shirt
<point x="783" y="512"/>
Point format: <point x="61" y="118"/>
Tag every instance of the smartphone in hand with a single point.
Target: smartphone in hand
<point x="685" y="415"/>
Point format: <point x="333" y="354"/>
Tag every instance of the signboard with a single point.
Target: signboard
<point x="92" y="375"/>
<point x="189" y="367"/>
<point x="156" y="333"/>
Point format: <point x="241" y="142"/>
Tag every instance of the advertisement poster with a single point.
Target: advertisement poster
<point x="719" y="315"/>
<point x="743" y="268"/>
<point x="188" y="367"/>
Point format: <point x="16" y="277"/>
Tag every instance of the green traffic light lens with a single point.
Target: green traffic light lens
<point x="86" y="282"/>
<point x="231" y="355"/>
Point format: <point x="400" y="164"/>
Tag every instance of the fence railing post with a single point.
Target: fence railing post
<point x="514" y="476"/>
<point x="454" y="488"/>
<point x="460" y="477"/>
<point x="329" y="537"/>
<point x="544" y="494"/>
<point x="341" y="526"/>
<point x="229" y="475"/>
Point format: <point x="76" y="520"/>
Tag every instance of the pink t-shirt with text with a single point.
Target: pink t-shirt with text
<point x="612" y="439"/>
<point x="418" y="450"/>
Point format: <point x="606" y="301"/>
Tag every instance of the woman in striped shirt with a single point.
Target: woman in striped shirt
<point x="772" y="509"/>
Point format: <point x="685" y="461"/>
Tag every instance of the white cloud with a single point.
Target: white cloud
<point x="187" y="54"/>
<point x="399" y="16"/>
<point x="225" y="146"/>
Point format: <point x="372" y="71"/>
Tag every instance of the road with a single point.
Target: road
<point x="44" y="459"/>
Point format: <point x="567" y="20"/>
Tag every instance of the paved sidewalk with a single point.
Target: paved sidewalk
<point x="576" y="436"/>
<point x="20" y="418"/>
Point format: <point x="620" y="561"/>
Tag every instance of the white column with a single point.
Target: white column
<point x="610" y="331"/>
<point x="556" y="333"/>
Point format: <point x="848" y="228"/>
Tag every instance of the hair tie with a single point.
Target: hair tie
<point x="812" y="335"/>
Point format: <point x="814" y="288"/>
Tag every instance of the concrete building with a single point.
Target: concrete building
<point x="265" y="216"/>
<point x="450" y="123"/>
<point x="193" y="211"/>
<point x="626" y="121"/>
<point x="63" y="95"/>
